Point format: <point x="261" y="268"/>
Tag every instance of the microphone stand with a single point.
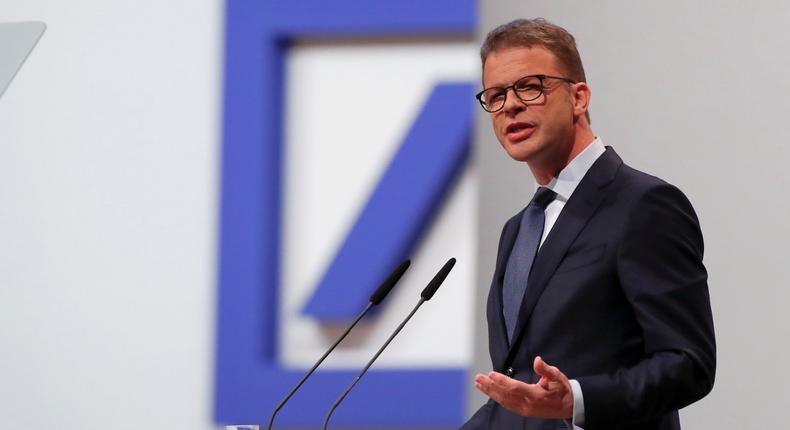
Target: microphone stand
<point x="370" y="363"/>
<point x="315" y="366"/>
<point x="426" y="295"/>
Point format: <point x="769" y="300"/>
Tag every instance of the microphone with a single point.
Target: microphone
<point x="375" y="299"/>
<point x="426" y="295"/>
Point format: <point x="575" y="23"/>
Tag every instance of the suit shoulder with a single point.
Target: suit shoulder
<point x="636" y="183"/>
<point x="638" y="179"/>
<point x="643" y="197"/>
<point x="651" y="201"/>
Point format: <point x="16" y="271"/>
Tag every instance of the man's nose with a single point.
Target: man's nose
<point x="513" y="104"/>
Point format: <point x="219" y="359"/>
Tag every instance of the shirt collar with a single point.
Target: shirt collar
<point x="569" y="177"/>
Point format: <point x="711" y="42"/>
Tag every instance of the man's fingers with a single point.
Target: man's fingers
<point x="505" y="382"/>
<point x="492" y="384"/>
<point x="499" y="378"/>
<point x="545" y="370"/>
<point x="483" y="383"/>
<point x="514" y="387"/>
<point x="538" y="400"/>
<point x="510" y="393"/>
<point x="491" y="388"/>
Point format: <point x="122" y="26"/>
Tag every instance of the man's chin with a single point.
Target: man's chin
<point x="520" y="157"/>
<point x="520" y="152"/>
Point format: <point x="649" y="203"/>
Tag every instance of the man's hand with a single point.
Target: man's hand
<point x="551" y="397"/>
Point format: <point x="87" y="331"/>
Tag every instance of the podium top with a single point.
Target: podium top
<point x="17" y="39"/>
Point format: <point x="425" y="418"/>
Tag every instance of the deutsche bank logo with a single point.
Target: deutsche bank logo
<point x="248" y="378"/>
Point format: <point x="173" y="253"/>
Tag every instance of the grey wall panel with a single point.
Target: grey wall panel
<point x="696" y="93"/>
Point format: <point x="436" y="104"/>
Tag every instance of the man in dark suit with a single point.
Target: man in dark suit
<point x="598" y="314"/>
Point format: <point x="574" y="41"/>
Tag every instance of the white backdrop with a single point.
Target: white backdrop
<point x="348" y="107"/>
<point x="108" y="183"/>
<point x="109" y="141"/>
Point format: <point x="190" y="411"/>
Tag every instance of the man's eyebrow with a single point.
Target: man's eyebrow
<point x="497" y="85"/>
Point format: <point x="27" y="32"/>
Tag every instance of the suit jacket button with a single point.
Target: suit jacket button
<point x="509" y="372"/>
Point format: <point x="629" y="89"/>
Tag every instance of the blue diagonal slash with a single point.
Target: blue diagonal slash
<point x="402" y="205"/>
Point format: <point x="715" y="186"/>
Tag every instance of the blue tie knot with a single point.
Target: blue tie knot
<point x="543" y="196"/>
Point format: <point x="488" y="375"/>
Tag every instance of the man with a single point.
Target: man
<point x="598" y="314"/>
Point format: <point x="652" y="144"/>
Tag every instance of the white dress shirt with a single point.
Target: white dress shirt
<point x="564" y="185"/>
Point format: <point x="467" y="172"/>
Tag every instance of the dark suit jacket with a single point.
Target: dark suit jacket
<point x="617" y="299"/>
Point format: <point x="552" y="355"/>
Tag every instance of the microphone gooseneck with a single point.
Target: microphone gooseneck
<point x="376" y="298"/>
<point x="426" y="295"/>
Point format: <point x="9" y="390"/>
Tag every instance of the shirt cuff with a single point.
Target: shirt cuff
<point x="578" y="407"/>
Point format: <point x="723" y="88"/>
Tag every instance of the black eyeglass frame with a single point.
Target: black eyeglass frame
<point x="479" y="96"/>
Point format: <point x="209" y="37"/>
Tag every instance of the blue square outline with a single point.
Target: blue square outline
<point x="248" y="379"/>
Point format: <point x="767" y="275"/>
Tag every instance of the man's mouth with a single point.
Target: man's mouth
<point x="519" y="131"/>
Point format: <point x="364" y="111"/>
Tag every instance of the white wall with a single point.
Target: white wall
<point x="108" y="184"/>
<point x="349" y="104"/>
<point x="695" y="92"/>
<point x="109" y="157"/>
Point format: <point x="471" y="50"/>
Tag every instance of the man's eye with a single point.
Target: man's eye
<point x="495" y="96"/>
<point x="527" y="86"/>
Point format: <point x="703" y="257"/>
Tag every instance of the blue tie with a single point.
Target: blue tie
<point x="522" y="256"/>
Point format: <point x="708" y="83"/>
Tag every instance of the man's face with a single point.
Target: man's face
<point x="540" y="130"/>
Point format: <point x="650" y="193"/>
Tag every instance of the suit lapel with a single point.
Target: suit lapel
<point x="508" y="239"/>
<point x="574" y="216"/>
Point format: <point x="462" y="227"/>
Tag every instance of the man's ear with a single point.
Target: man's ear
<point x="581" y="98"/>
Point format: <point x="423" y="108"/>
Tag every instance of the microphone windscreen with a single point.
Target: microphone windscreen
<point x="388" y="283"/>
<point x="437" y="280"/>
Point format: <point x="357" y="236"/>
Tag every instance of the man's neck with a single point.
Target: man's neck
<point x="548" y="169"/>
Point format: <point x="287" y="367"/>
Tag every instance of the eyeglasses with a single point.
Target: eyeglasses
<point x="526" y="89"/>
